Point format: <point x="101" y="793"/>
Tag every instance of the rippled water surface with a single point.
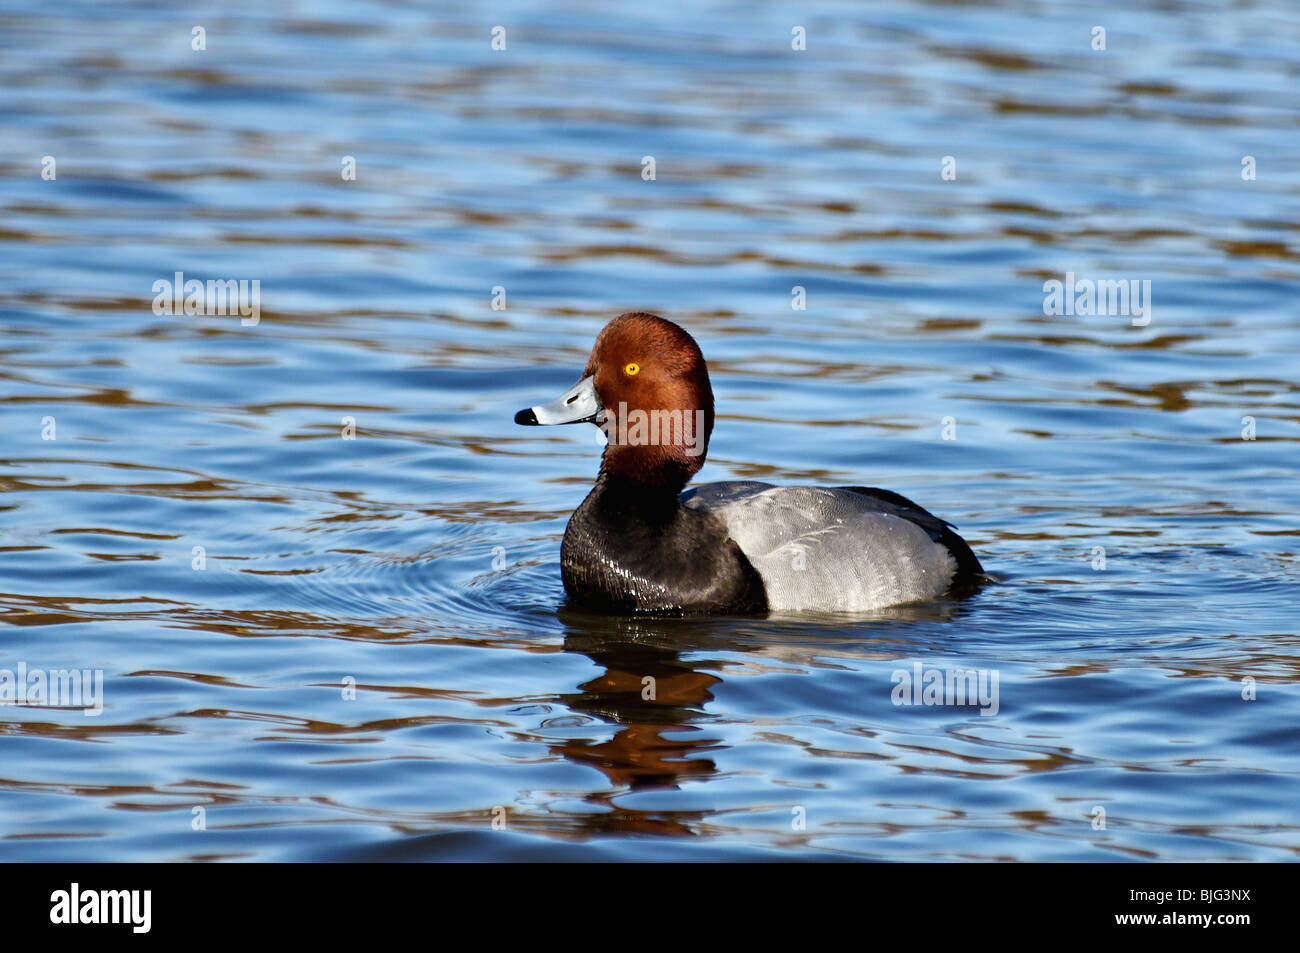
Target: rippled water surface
<point x="419" y="560"/>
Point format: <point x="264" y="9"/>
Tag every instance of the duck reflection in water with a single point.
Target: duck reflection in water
<point x="657" y="700"/>
<point x="653" y="697"/>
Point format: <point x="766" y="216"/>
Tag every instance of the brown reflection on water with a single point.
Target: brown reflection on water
<point x="649" y="692"/>
<point x="658" y="743"/>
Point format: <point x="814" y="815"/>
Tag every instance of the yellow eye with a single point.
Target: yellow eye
<point x="632" y="369"/>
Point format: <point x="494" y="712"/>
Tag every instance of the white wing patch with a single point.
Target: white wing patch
<point x="827" y="550"/>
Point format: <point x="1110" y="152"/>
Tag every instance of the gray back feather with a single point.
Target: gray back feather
<point x="828" y="549"/>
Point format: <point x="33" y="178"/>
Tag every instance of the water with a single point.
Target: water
<point x="420" y="559"/>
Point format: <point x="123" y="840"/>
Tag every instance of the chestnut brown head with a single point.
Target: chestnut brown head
<point x="646" y="384"/>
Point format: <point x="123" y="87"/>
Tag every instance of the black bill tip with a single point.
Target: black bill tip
<point x="526" y="417"/>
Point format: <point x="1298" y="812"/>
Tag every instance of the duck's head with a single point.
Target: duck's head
<point x="646" y="384"/>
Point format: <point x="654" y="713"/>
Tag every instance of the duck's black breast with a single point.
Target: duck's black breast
<point x="630" y="549"/>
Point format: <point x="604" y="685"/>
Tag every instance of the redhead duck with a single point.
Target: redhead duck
<point x="639" y="544"/>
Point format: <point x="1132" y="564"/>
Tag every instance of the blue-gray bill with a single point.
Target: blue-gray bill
<point x="578" y="405"/>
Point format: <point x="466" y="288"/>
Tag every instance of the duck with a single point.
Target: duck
<point x="641" y="542"/>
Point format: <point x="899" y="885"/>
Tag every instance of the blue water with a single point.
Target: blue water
<point x="1143" y="625"/>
